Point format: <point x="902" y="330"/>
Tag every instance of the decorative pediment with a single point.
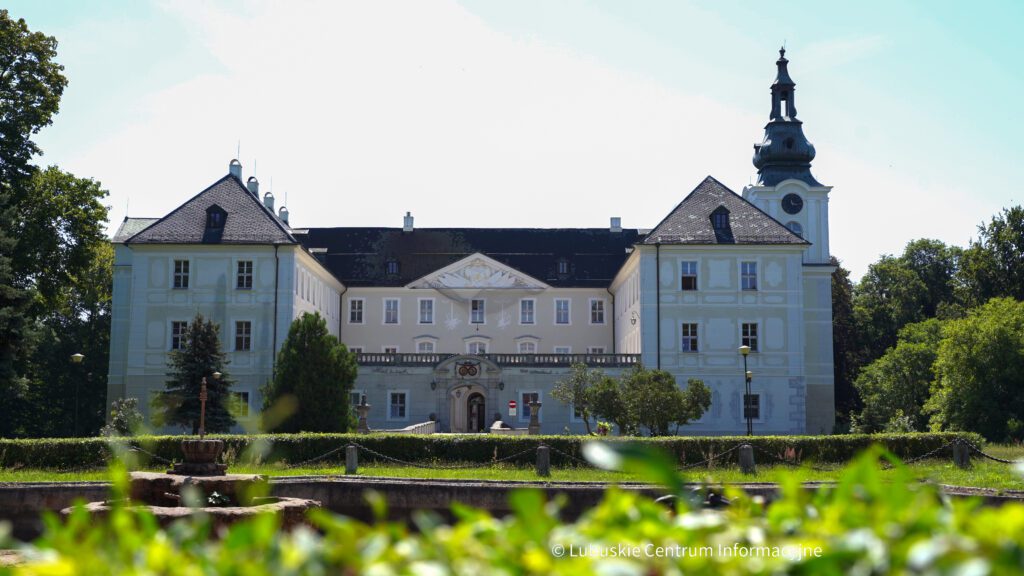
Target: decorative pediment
<point x="478" y="271"/>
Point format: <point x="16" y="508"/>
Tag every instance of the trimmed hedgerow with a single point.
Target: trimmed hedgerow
<point x="70" y="453"/>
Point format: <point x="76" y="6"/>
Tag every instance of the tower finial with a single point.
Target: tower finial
<point x="785" y="152"/>
<point x="782" y="51"/>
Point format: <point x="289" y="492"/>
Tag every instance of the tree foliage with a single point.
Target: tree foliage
<point x="979" y="371"/>
<point x="650" y="399"/>
<point x="318" y="371"/>
<point x="577" y="389"/>
<point x="895" y="388"/>
<point x="199" y="357"/>
<point x="993" y="265"/>
<point x="845" y="343"/>
<point x="125" y="418"/>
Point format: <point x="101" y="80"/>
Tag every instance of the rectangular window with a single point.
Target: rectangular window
<point x="688" y="272"/>
<point x="244" y="279"/>
<point x="476" y="312"/>
<point x="181" y="274"/>
<point x="577" y="414"/>
<point x="597" y="311"/>
<point x="749" y="336"/>
<point x="689" y="338"/>
<point x="526" y="311"/>
<point x="397" y="406"/>
<point x="752" y="406"/>
<point x="355" y="311"/>
<point x="178" y="330"/>
<point x="426" y="347"/>
<point x="525" y="399"/>
<point x="563" y="350"/>
<point x="391" y="310"/>
<point x="561" y="311"/>
<point x="595" y="349"/>
<point x="390" y="349"/>
<point x="243" y="335"/>
<point x="355" y="349"/>
<point x="527" y="347"/>
<point x="748" y="275"/>
<point x="477" y="348"/>
<point x="427" y="311"/>
<point x="355" y="398"/>
<point x="239" y="406"/>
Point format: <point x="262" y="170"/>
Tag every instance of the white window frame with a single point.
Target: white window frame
<point x="398" y="312"/>
<point x="234" y="335"/>
<point x="603" y="310"/>
<point x="404" y="418"/>
<point x="533" y="311"/>
<point x="563" y="349"/>
<point x="695" y="336"/>
<point x="568" y="312"/>
<point x="524" y="409"/>
<point x="419" y="311"/>
<point x="362" y="310"/>
<point x="473" y="312"/>
<point x="596" y="349"/>
<point x="248" y="403"/>
<point x="395" y="349"/>
<point x="520" y="344"/>
<point x="757" y="336"/>
<point x="170" y="333"/>
<point x="239" y="275"/>
<point x="760" y="407"/>
<point x="477" y="341"/>
<point x="743" y="276"/>
<point x="421" y="341"/>
<point x="696" y="275"/>
<point x="186" y="275"/>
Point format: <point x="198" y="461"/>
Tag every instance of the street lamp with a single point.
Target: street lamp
<point x="77" y="358"/>
<point x="747" y="376"/>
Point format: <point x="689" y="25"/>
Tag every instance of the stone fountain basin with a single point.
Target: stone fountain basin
<point x="161" y="495"/>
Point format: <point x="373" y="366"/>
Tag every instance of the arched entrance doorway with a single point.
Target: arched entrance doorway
<point x="476" y="412"/>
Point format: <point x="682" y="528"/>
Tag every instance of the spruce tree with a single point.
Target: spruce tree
<point x="199" y="357"/>
<point x="316" y="370"/>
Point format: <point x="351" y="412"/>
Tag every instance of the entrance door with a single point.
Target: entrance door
<point x="475" y="412"/>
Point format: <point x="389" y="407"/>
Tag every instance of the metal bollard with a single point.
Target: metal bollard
<point x="961" y="455"/>
<point x="351" y="459"/>
<point x="747" y="459"/>
<point x="543" y="461"/>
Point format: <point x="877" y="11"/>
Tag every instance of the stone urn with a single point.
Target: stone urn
<point x="200" y="458"/>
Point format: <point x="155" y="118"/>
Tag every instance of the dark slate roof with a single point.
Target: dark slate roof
<point x="358" y="256"/>
<point x="248" y="220"/>
<point x="690" y="222"/>
<point x="132" y="226"/>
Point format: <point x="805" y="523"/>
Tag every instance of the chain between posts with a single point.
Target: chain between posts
<point x="711" y="459"/>
<point x="441" y="466"/>
<point x="982" y="453"/>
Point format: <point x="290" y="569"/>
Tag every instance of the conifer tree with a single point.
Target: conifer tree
<point x="199" y="357"/>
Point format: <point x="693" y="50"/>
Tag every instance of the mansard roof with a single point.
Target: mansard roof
<point x="247" y="220"/>
<point x="691" y="223"/>
<point x="361" y="256"/>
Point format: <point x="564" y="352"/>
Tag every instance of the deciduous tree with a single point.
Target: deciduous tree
<point x="577" y="389"/>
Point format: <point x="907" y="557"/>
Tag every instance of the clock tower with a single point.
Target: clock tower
<point x="785" y="187"/>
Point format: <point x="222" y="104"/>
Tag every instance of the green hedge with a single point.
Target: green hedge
<point x="71" y="453"/>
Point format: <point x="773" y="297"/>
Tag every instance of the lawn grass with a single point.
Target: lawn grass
<point x="983" y="474"/>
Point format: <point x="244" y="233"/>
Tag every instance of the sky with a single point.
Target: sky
<point x="540" y="113"/>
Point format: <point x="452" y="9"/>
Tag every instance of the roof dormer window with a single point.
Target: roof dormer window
<point x="720" y="218"/>
<point x="215" y="217"/>
<point x="563" y="267"/>
<point x="391" y="267"/>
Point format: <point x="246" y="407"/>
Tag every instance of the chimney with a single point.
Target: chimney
<point x="283" y="214"/>
<point x="616" y="224"/>
<point x="268" y="201"/>
<point x="407" y="222"/>
<point x="253" y="185"/>
<point x="235" y="169"/>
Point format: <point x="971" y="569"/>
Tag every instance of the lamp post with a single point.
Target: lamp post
<point x="77" y="358"/>
<point x="747" y="376"/>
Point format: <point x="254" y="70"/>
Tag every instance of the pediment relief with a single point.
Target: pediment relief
<point x="478" y="272"/>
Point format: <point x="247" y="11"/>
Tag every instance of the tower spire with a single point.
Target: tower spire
<point x="785" y="152"/>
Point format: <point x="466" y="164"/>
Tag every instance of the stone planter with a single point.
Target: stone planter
<point x="200" y="458"/>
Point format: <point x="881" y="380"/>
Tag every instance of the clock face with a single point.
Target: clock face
<point x="792" y="203"/>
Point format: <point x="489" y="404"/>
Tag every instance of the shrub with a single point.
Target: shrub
<point x="64" y="453"/>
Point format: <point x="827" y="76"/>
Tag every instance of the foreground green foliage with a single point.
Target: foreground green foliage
<point x="863" y="526"/>
<point x="65" y="453"/>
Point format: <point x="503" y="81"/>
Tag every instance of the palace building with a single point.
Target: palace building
<point x="450" y="324"/>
